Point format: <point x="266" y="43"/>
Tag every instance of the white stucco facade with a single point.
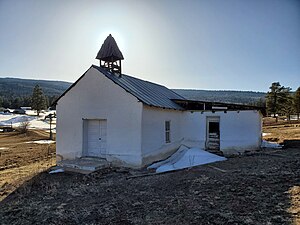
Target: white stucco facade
<point x="95" y="97"/>
<point x="135" y="132"/>
<point x="154" y="146"/>
<point x="239" y="130"/>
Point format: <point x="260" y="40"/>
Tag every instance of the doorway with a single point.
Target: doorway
<point x="212" y="133"/>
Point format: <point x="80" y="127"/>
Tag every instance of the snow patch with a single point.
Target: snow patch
<point x="3" y="148"/>
<point x="16" y="119"/>
<point x="265" y="134"/>
<point x="267" y="144"/>
<point x="35" y="122"/>
<point x="41" y="142"/>
<point x="5" y="113"/>
<point x="185" y="158"/>
<point x="57" y="171"/>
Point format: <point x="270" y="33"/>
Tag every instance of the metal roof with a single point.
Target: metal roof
<point x="149" y="93"/>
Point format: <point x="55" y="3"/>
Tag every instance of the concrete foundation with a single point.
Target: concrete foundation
<point x="83" y="165"/>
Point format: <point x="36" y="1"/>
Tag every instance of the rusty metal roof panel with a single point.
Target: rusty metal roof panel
<point x="149" y="93"/>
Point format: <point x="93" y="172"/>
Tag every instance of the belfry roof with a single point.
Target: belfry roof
<point x="109" y="50"/>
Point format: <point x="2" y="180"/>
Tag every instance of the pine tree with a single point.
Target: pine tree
<point x="278" y="100"/>
<point x="261" y="102"/>
<point x="297" y="102"/>
<point x="286" y="106"/>
<point x="38" y="100"/>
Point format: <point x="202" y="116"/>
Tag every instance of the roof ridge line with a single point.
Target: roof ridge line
<point x="98" y="67"/>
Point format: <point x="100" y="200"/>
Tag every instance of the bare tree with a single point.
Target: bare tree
<point x="23" y="127"/>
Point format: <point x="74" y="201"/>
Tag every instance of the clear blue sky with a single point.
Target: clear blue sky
<point x="195" y="44"/>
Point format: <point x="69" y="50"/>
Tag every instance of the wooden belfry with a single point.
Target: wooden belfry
<point x="110" y="55"/>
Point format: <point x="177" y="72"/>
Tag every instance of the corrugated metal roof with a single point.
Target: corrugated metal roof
<point x="149" y="93"/>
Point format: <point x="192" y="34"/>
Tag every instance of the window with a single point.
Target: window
<point x="167" y="131"/>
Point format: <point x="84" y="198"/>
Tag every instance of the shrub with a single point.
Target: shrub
<point x="23" y="127"/>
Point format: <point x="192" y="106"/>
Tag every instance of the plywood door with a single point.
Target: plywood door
<point x="96" y="138"/>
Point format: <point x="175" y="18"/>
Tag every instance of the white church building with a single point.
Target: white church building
<point x="133" y="122"/>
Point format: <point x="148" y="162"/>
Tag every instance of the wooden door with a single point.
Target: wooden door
<point x="96" y="138"/>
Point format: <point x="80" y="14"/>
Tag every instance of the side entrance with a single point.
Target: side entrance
<point x="95" y="137"/>
<point x="212" y="142"/>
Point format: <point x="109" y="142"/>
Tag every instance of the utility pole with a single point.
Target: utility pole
<point x="50" y="117"/>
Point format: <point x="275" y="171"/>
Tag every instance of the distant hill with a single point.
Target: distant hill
<point x="241" y="97"/>
<point x="15" y="87"/>
<point x="11" y="88"/>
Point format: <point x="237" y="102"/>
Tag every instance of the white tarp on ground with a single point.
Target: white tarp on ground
<point x="267" y="144"/>
<point x="185" y="158"/>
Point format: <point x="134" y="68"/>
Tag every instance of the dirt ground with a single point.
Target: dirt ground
<point x="280" y="131"/>
<point x="20" y="159"/>
<point x="259" y="188"/>
<point x="263" y="188"/>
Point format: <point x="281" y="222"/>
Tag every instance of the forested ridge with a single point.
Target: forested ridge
<point x="16" y="92"/>
<point x="241" y="97"/>
<point x="17" y="87"/>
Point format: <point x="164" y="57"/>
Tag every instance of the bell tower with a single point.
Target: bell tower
<point x="110" y="55"/>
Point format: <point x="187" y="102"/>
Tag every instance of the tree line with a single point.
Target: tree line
<point x="37" y="100"/>
<point x="280" y="101"/>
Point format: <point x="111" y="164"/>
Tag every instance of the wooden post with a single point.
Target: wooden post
<point x="50" y="117"/>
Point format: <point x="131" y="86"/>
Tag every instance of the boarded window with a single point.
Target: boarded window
<point x="167" y="131"/>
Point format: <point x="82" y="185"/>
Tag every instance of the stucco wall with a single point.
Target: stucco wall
<point x="239" y="130"/>
<point x="136" y="132"/>
<point x="153" y="131"/>
<point x="96" y="97"/>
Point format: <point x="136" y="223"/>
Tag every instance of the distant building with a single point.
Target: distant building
<point x="19" y="111"/>
<point x="26" y="107"/>
<point x="7" y="110"/>
<point x="132" y="122"/>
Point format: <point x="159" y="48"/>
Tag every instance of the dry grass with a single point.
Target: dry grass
<point x="11" y="179"/>
<point x="294" y="209"/>
<point x="20" y="160"/>
<point x="283" y="130"/>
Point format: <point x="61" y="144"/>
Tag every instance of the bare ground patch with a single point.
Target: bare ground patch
<point x="280" y="131"/>
<point x="259" y="189"/>
<point x="20" y="160"/>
